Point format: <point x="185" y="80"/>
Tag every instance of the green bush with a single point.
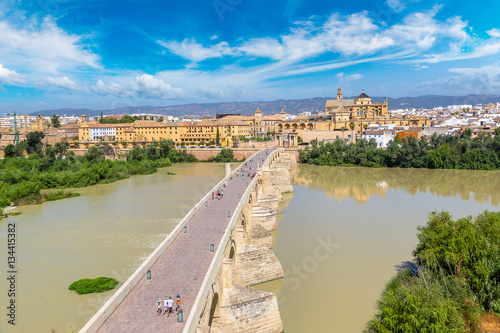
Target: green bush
<point x="458" y="279"/>
<point x="468" y="248"/>
<point x="418" y="304"/>
<point x="98" y="285"/>
<point x="225" y="155"/>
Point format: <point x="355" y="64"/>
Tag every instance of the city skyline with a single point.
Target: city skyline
<point x="59" y="53"/>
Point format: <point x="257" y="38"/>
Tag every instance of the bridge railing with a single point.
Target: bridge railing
<point x="117" y="298"/>
<point x="195" y="313"/>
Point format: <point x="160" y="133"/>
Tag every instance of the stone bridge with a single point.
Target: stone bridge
<point x="214" y="285"/>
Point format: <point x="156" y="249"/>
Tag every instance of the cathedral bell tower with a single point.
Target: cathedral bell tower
<point x="339" y="94"/>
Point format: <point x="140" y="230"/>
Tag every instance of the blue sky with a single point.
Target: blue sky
<point x="106" y="54"/>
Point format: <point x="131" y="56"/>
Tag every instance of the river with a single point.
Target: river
<point x="340" y="238"/>
<point x="107" y="231"/>
<point x="344" y="231"/>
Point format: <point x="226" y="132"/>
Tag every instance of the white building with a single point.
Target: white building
<point x="21" y="121"/>
<point x="382" y="137"/>
<point x="459" y="107"/>
<point x="98" y="133"/>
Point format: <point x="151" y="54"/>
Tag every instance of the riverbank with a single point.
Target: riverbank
<point x="22" y="178"/>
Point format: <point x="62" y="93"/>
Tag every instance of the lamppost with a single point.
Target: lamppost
<point x="16" y="138"/>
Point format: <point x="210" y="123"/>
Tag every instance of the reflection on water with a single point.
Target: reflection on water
<point x="361" y="183"/>
<point x="346" y="230"/>
<point x="107" y="231"/>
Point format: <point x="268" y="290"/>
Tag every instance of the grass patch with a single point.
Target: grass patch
<point x="58" y="195"/>
<point x="98" y="285"/>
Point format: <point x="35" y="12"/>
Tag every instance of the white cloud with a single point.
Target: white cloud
<point x="480" y="80"/>
<point x="196" y="52"/>
<point x="143" y="86"/>
<point x="349" y="78"/>
<point x="63" y="82"/>
<point x="418" y="67"/>
<point x="112" y="88"/>
<point x="355" y="36"/>
<point x="399" y="5"/>
<point x="494" y="32"/>
<point x="43" y="47"/>
<point x="10" y="77"/>
<point x="152" y="87"/>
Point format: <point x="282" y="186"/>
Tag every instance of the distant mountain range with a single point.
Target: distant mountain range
<point x="291" y="106"/>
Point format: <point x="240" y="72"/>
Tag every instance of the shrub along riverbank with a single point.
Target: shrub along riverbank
<point x="439" y="152"/>
<point x="455" y="283"/>
<point x="22" y="178"/>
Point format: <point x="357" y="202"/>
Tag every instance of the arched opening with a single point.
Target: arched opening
<point x="287" y="126"/>
<point x="280" y="127"/>
<point x="214" y="319"/>
<point x="244" y="223"/>
<point x="232" y="256"/>
<point x="294" y="127"/>
<point x="302" y="126"/>
<point x="310" y="127"/>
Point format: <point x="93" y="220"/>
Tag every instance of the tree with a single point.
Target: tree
<point x="217" y="137"/>
<point x="94" y="155"/>
<point x="160" y="120"/>
<point x="152" y="152"/>
<point x="34" y="142"/>
<point x="55" y="121"/>
<point x="61" y="148"/>
<point x="10" y="150"/>
<point x="352" y="125"/>
<point x="236" y="141"/>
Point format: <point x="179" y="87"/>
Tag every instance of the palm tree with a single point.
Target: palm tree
<point x="352" y="125"/>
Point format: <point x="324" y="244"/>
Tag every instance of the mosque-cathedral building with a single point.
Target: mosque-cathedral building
<point x="340" y="114"/>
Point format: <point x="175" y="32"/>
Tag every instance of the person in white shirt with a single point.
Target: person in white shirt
<point x="169" y="303"/>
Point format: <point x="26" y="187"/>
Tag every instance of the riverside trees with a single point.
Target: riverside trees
<point x="457" y="280"/>
<point x="22" y="178"/>
<point x="439" y="152"/>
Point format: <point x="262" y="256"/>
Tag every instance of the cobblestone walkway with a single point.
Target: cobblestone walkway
<point x="181" y="268"/>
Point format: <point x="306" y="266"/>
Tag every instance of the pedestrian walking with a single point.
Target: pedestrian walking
<point x="178" y="303"/>
<point x="165" y="305"/>
<point x="159" y="307"/>
<point x="169" y="303"/>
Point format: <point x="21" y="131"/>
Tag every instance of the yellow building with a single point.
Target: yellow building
<point x="146" y="131"/>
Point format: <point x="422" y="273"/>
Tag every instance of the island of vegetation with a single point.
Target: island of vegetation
<point x="454" y="283"/>
<point x="97" y="285"/>
<point x="438" y="152"/>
